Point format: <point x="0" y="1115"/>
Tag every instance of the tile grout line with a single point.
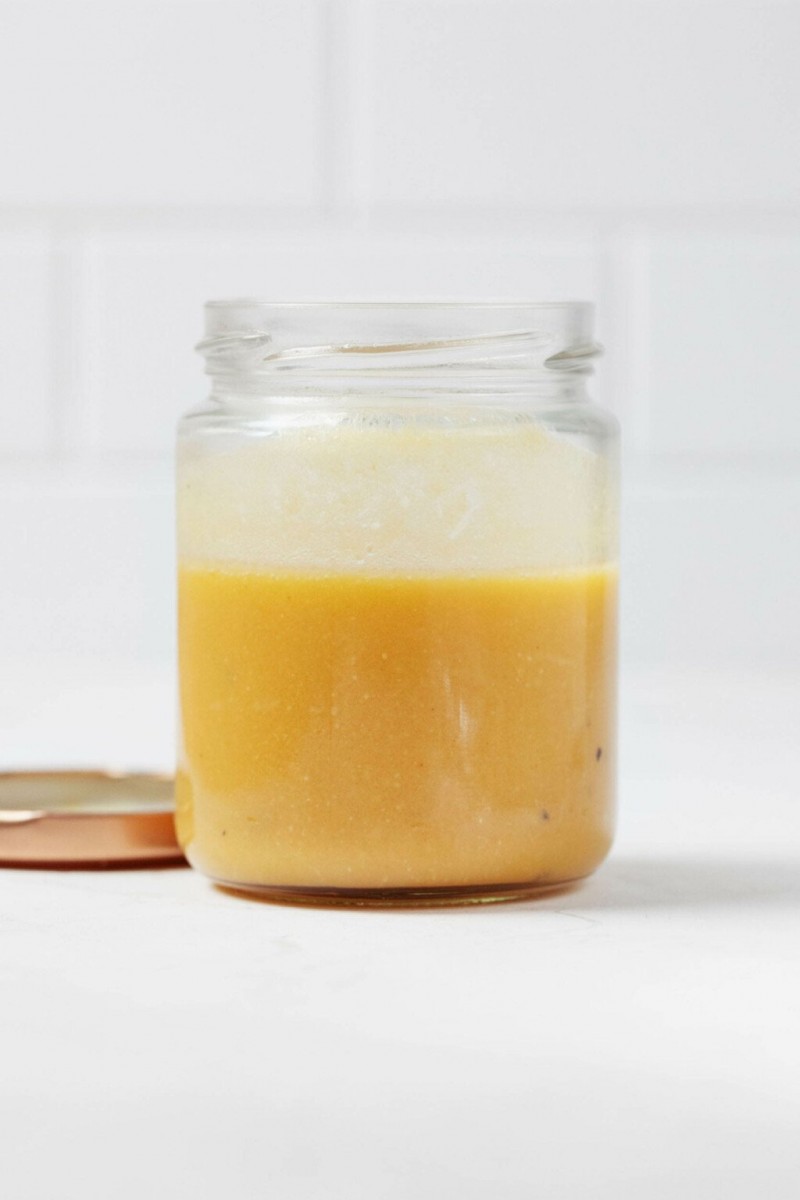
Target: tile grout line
<point x="345" y="125"/>
<point x="70" y="344"/>
<point x="328" y="115"/>
<point x="60" y="349"/>
<point x="457" y="219"/>
<point x="637" y="289"/>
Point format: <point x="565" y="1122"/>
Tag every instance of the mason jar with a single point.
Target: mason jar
<point x="397" y="538"/>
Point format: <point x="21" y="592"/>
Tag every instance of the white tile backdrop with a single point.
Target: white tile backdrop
<point x="641" y="153"/>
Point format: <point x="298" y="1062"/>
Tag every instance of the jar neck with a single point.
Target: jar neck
<point x="388" y="353"/>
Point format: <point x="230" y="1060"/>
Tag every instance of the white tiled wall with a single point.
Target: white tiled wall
<point x="602" y="102"/>
<point x="724" y="319"/>
<point x="160" y="103"/>
<point x="641" y="153"/>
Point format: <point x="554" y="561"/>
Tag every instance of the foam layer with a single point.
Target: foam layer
<point x="508" y="497"/>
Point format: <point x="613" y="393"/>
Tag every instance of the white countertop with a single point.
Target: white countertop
<point x="639" y="1036"/>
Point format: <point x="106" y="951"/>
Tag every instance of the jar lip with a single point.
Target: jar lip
<point x="349" y="345"/>
<point x="584" y="306"/>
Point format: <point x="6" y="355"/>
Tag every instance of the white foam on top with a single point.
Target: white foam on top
<point x="464" y="498"/>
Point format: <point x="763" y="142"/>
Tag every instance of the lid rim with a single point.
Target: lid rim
<point x="88" y="833"/>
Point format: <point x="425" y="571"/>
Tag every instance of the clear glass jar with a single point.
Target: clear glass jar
<point x="397" y="603"/>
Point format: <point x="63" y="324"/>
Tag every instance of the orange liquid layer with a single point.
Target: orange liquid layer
<point x="351" y="731"/>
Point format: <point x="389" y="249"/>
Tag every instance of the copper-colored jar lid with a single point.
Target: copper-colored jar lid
<point x="86" y="819"/>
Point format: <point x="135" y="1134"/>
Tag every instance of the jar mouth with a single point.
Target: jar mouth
<point x="395" y="305"/>
<point x="297" y="347"/>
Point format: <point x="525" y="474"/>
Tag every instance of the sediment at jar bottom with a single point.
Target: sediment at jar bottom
<point x="348" y="731"/>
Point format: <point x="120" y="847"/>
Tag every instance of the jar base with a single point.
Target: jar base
<point x="397" y="897"/>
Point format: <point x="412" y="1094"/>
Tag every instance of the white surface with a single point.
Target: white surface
<point x="636" y="1037"/>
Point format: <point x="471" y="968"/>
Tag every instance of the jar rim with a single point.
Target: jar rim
<point x="314" y="345"/>
<point x="491" y="305"/>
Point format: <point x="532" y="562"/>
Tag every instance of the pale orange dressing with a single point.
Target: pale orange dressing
<point x="347" y="730"/>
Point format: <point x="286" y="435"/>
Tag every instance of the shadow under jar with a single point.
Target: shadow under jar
<point x="397" y="535"/>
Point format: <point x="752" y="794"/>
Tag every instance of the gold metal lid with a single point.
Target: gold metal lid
<point x="86" y="819"/>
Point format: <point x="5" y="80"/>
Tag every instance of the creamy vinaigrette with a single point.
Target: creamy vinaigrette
<point x="364" y="731"/>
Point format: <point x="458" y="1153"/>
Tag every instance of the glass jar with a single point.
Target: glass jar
<point x="397" y="543"/>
